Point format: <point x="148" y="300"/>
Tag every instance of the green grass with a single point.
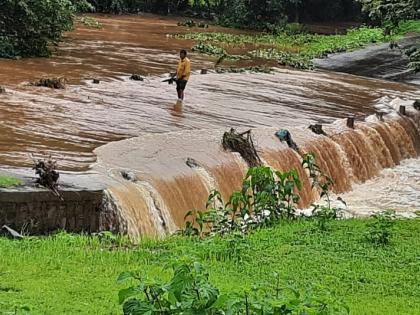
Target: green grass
<point x="8" y="181"/>
<point x="405" y="27"/>
<point x="67" y="274"/>
<point x="298" y="50"/>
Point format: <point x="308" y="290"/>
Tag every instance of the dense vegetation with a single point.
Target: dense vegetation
<point x="252" y="255"/>
<point x="293" y="48"/>
<point x="27" y="27"/>
<point x="70" y="274"/>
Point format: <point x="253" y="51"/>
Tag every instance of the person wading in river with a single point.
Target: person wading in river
<point x="182" y="74"/>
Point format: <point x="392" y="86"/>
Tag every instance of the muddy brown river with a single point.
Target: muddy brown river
<point x="71" y="123"/>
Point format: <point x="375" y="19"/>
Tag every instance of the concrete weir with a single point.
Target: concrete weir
<point x="31" y="209"/>
<point x="143" y="186"/>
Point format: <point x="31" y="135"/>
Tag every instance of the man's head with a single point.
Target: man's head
<point x="183" y="53"/>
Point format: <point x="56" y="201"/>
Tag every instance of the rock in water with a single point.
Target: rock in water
<point x="417" y="104"/>
<point x="136" y="77"/>
<point x="317" y="128"/>
<point x="54" y="83"/>
<point x="192" y="163"/>
<point x="130" y="176"/>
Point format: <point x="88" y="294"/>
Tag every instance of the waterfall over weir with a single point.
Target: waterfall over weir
<point x="164" y="186"/>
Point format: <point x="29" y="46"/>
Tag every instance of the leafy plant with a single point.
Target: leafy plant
<point x="380" y="231"/>
<point x="192" y="23"/>
<point x="9" y="181"/>
<point x="391" y="12"/>
<point x="266" y="196"/>
<point x="322" y="183"/>
<point x="190" y="292"/>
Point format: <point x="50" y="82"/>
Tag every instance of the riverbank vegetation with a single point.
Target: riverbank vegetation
<point x="29" y="28"/>
<point x="9" y="181"/>
<point x="295" y="50"/>
<point x="251" y="255"/>
<point x="70" y="274"/>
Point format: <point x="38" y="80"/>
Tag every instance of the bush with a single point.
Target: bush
<point x="27" y="27"/>
<point x="190" y="292"/>
<point x="380" y="230"/>
<point x="391" y="12"/>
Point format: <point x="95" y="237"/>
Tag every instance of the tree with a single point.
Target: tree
<point x="27" y="27"/>
<point x="391" y="12"/>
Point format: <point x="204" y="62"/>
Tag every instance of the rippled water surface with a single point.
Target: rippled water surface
<point x="70" y="123"/>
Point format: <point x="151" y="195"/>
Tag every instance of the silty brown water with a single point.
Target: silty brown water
<point x="71" y="123"/>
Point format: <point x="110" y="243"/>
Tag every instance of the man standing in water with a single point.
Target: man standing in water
<point x="182" y="74"/>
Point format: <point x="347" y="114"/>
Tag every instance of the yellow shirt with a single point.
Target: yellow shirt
<point x="184" y="69"/>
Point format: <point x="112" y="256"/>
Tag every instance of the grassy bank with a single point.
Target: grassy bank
<point x="293" y="49"/>
<point x="8" y="181"/>
<point x="67" y="274"/>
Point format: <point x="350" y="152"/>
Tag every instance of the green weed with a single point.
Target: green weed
<point x="8" y="181"/>
<point x="190" y="292"/>
<point x="295" y="49"/>
<point x="380" y="231"/>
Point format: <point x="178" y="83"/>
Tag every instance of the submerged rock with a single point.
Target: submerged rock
<point x="136" y="77"/>
<point x="130" y="176"/>
<point x="54" y="83"/>
<point x="317" y="129"/>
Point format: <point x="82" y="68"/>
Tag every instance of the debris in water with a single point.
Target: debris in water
<point x="2" y="90"/>
<point x="350" y="122"/>
<point x="203" y="71"/>
<point x="136" y="77"/>
<point x="130" y="176"/>
<point x="12" y="232"/>
<point x="54" y="83"/>
<point x="417" y="104"/>
<point x="192" y="163"/>
<point x="255" y="69"/>
<point x="317" y="129"/>
<point x="394" y="44"/>
<point x="380" y="116"/>
<point x="96" y="81"/>
<point x="48" y="176"/>
<point x="284" y="135"/>
<point x="243" y="144"/>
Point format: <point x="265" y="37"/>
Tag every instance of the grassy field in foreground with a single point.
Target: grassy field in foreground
<point x="66" y="274"/>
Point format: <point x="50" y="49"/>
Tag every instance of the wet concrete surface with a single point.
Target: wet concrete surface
<point x="376" y="61"/>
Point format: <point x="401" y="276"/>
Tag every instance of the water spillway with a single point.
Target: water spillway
<point x="120" y="125"/>
<point x="165" y="186"/>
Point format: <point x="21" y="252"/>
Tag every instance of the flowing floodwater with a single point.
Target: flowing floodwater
<point x="71" y="123"/>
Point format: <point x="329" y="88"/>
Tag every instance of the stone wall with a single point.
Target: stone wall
<point x="41" y="212"/>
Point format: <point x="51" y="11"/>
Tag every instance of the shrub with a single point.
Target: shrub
<point x="190" y="292"/>
<point x="266" y="196"/>
<point x="381" y="229"/>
